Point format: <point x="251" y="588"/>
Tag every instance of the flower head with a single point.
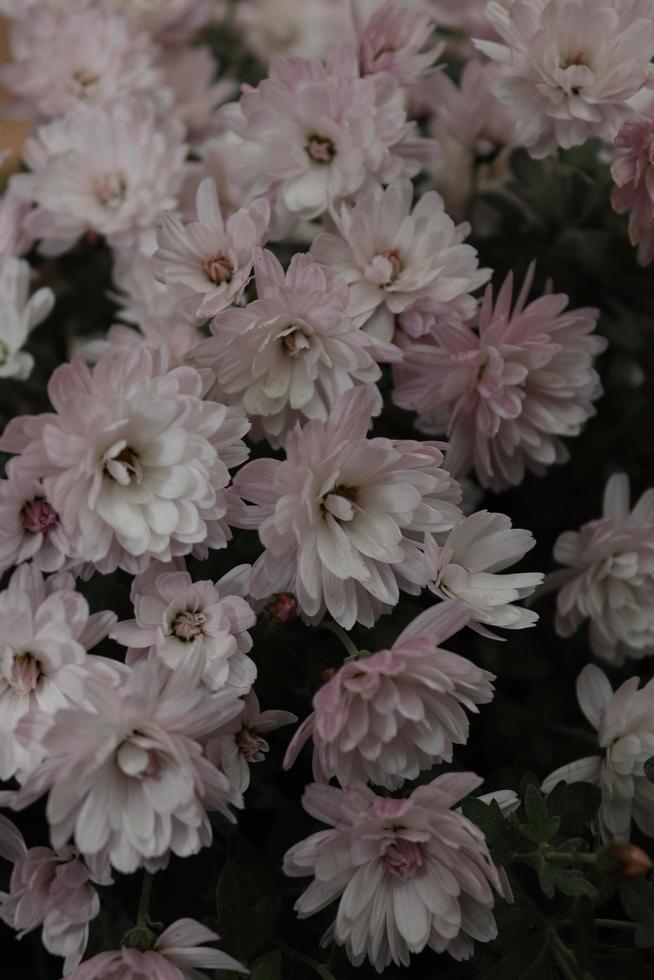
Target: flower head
<point x="610" y="576"/>
<point x="394" y="257"/>
<point x="19" y="314"/>
<point x="190" y="73"/>
<point x="30" y="529"/>
<point x="570" y="66"/>
<point x="301" y="28"/>
<point x="398" y="40"/>
<point x="207" y="264"/>
<point x="507" y="391"/>
<point x="289" y="355"/>
<point x="632" y="171"/>
<point x="466" y="568"/>
<point x="127" y="776"/>
<point x="133" y="460"/>
<point x="180" y="619"/>
<point x="407" y="873"/>
<point x="343" y="517"/>
<point x="624" y="721"/>
<point x="110" y="170"/>
<point x="386" y="716"/>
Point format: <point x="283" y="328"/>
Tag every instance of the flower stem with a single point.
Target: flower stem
<point x="142" y="916"/>
<point x="606" y="924"/>
<point x="338" y="631"/>
<point x="564" y="857"/>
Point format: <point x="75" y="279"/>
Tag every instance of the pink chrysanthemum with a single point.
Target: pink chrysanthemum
<point x="176" y="955"/>
<point x="386" y="716"/>
<point x="190" y="73"/>
<point x="570" y="67"/>
<point x="407" y="873"/>
<point x="398" y="40"/>
<point x="507" y="391"/>
<point x="624" y="721"/>
<point x="133" y="460"/>
<point x="30" y="529"/>
<point x="610" y="576"/>
<point x="395" y="257"/>
<point x="111" y="171"/>
<point x="300" y="28"/>
<point x="126" y="776"/>
<point x="633" y="173"/>
<point x="288" y="356"/>
<point x="180" y="619"/>
<point x="343" y="518"/>
<point x="19" y="314"/>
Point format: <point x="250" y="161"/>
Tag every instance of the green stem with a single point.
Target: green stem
<point x="314" y="965"/>
<point x="565" y="959"/>
<point x="565" y="857"/>
<point x="338" y="631"/>
<point x="606" y="924"/>
<point x="143" y="914"/>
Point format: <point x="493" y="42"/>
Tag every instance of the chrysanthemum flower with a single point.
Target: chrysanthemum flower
<point x="393" y="257"/>
<point x="398" y="40"/>
<point x="386" y="716"/>
<point x="300" y="28"/>
<point x="176" y="956"/>
<point x="343" y="517"/>
<point x="30" y="529"/>
<point x="112" y="171"/>
<point x="19" y="314"/>
<point x="133" y="460"/>
<point x="407" y="873"/>
<point x="633" y="173"/>
<point x="507" y="391"/>
<point x="241" y="742"/>
<point x="570" y="66"/>
<point x="207" y="264"/>
<point x="190" y="73"/>
<point x="288" y="356"/>
<point x="46" y="631"/>
<point x="79" y="53"/>
<point x="610" y="576"/>
<point x="126" y="776"/>
<point x="466" y="566"/>
<point x="624" y="721"/>
<point x="181" y="619"/>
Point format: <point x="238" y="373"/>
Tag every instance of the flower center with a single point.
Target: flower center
<point x="187" y="625"/>
<point x="294" y="340"/>
<point x="341" y="502"/>
<point x="26" y="673"/>
<point x="38" y="515"/>
<point x="219" y="269"/>
<point x="136" y="761"/>
<point x="124" y="467"/>
<point x="320" y="148"/>
<point x="110" y="190"/>
<point x="403" y="858"/>
<point x="252" y="746"/>
<point x="83" y="79"/>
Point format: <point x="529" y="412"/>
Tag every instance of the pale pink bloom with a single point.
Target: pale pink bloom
<point x="468" y="17"/>
<point x="207" y="264"/>
<point x="19" y="314"/>
<point x="181" y="619"/>
<point x="343" y="518"/>
<point x="407" y="873"/>
<point x="633" y="174"/>
<point x="127" y="777"/>
<point x="46" y="629"/>
<point x="314" y="134"/>
<point x="78" y="53"/>
<point x="506" y="391"/>
<point x="610" y="576"/>
<point x="466" y="566"/>
<point x="398" y="40"/>
<point x="624" y="720"/>
<point x="53" y="889"/>
<point x="384" y="717"/>
<point x="570" y="67"/>
<point x="109" y="170"/>
<point x="171" y="21"/>
<point x="190" y="73"/>
<point x="30" y="529"/>
<point x="395" y="257"/>
<point x="14" y="240"/>
<point x="140" y="472"/>
<point x="288" y="356"/>
<point x="241" y="742"/>
<point x="176" y="955"/>
<point x="301" y="28"/>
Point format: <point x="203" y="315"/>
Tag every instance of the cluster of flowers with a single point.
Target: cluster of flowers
<point x="139" y="463"/>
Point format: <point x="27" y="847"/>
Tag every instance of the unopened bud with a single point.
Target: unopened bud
<point x="624" y="861"/>
<point x="282" y="608"/>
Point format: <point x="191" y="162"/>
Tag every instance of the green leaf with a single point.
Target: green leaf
<point x="638" y="902"/>
<point x="576" y="804"/>
<point x="584" y="932"/>
<point x="540" y="826"/>
<point x="648" y="769"/>
<point x="268" y="967"/>
<point x="494" y="826"/>
<point x="569" y="881"/>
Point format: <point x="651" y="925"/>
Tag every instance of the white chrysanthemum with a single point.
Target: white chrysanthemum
<point x="140" y="472"/>
<point x="19" y="314"/>
<point x="111" y="171"/>
<point x="571" y="66"/>
<point x="465" y="567"/>
<point x="610" y="579"/>
<point x="625" y="730"/>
